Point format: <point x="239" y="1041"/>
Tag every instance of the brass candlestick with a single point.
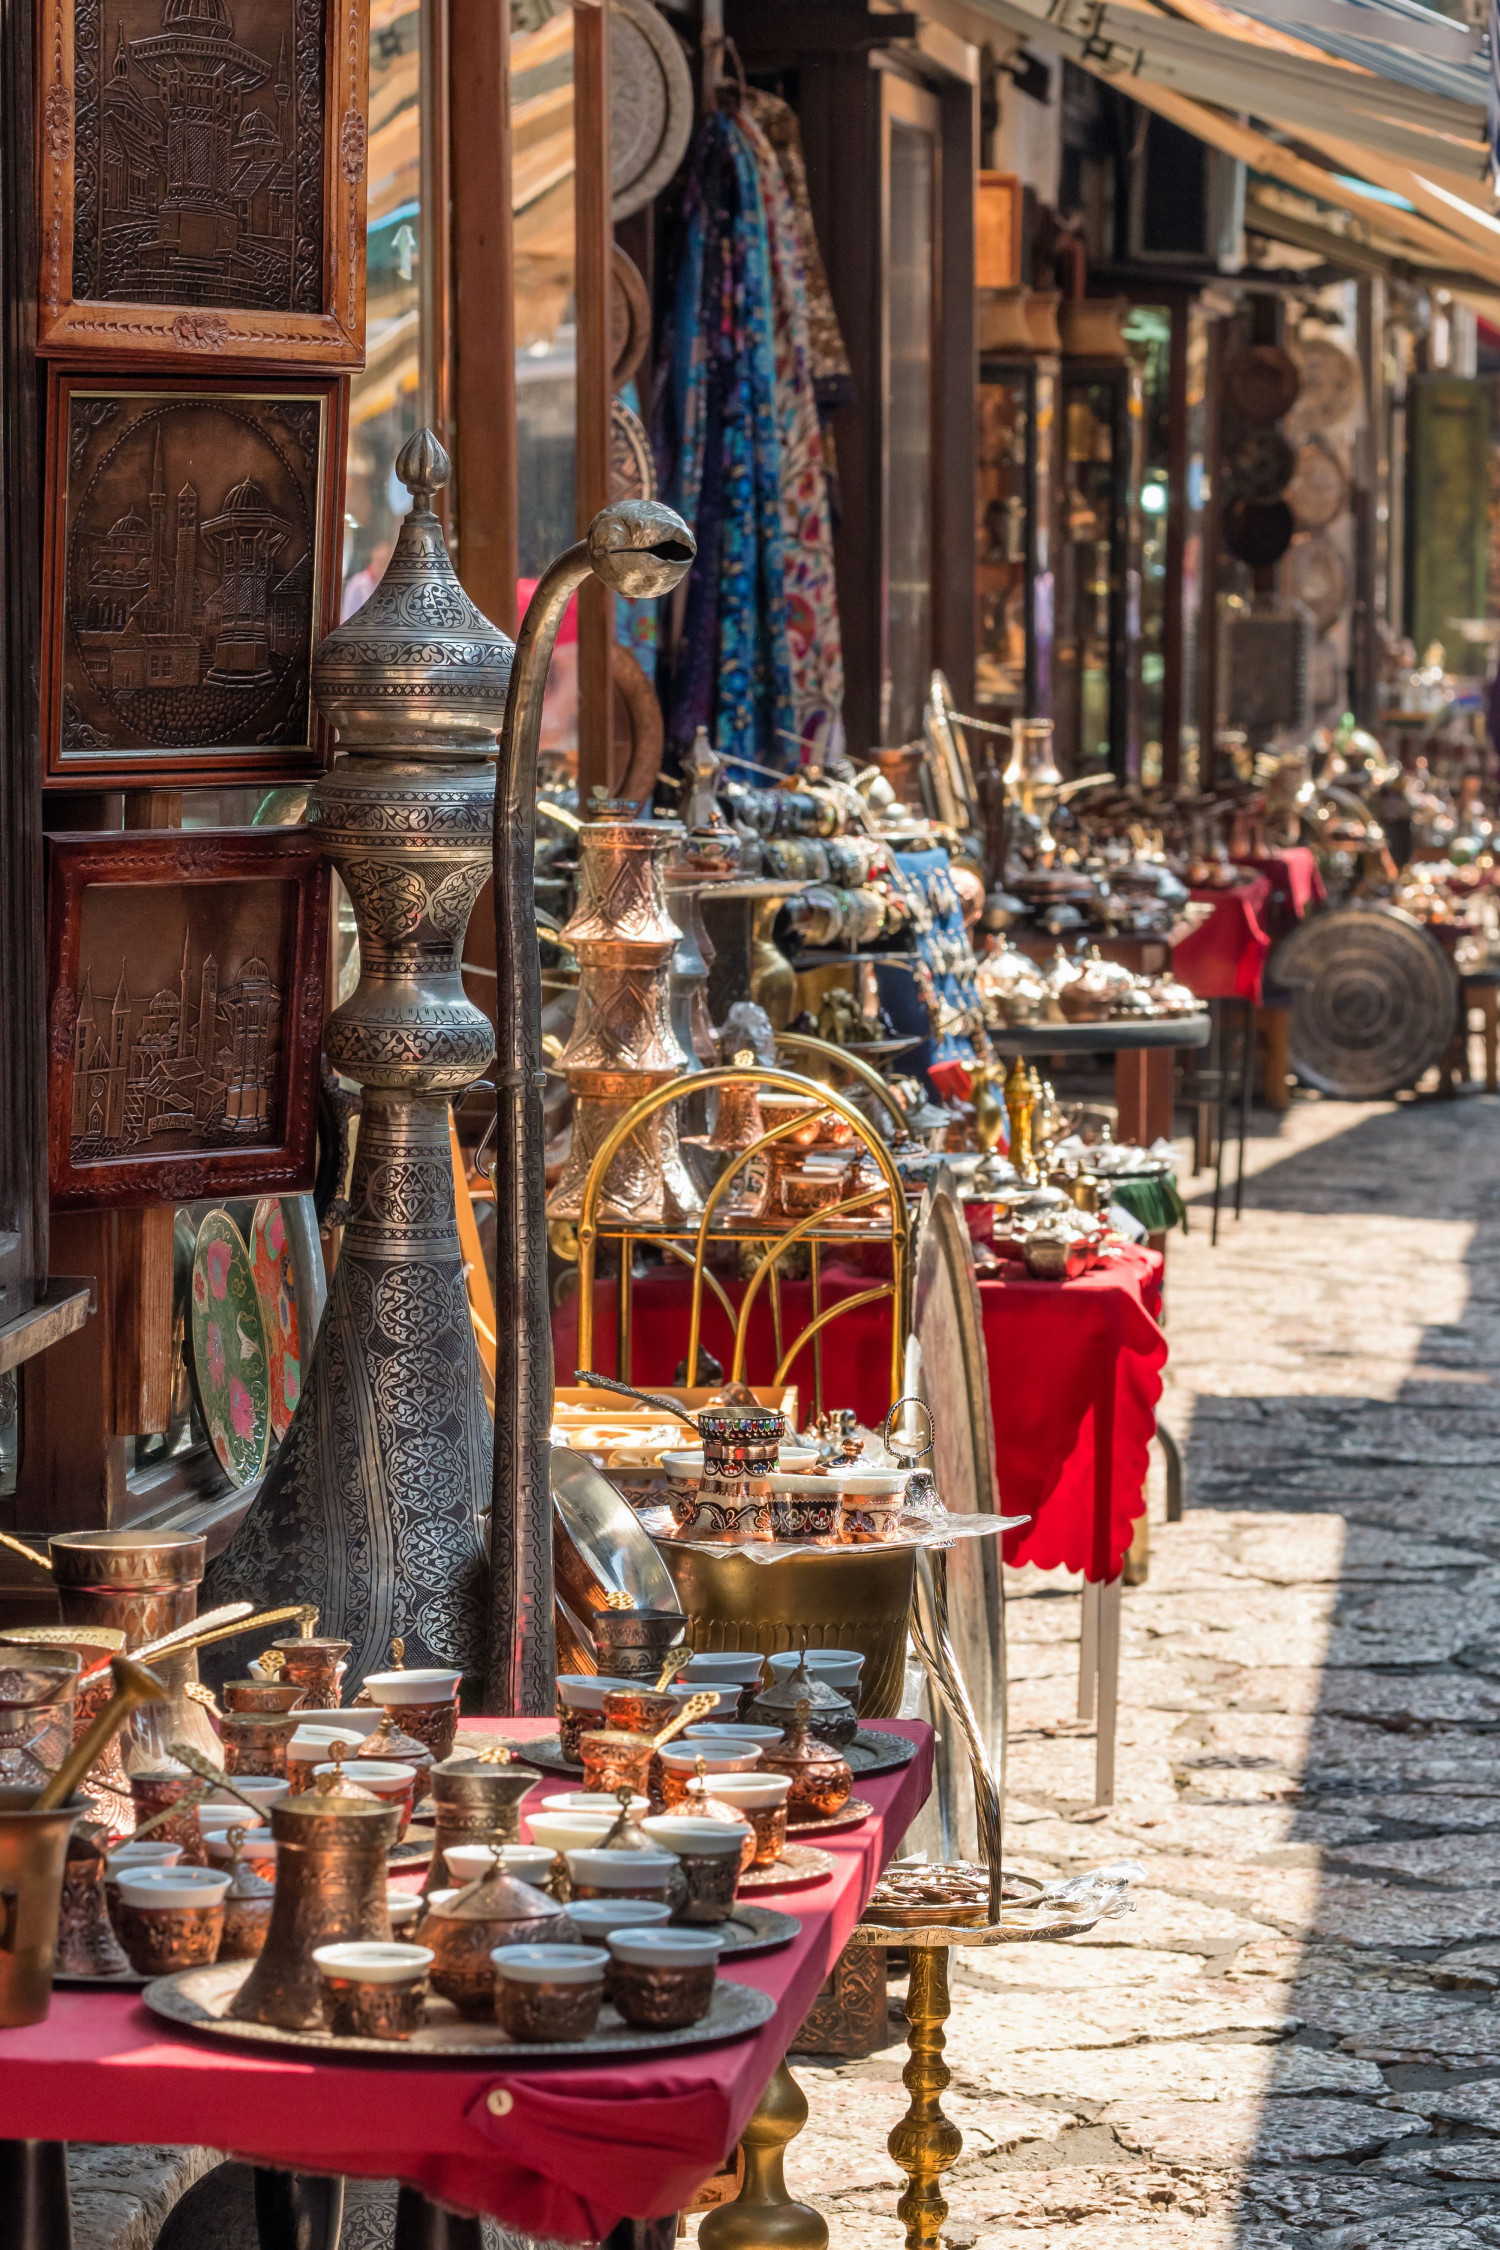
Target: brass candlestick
<point x="1019" y="1103"/>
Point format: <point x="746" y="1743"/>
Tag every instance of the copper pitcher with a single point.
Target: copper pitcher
<point x="33" y="1851"/>
<point x="474" y="1802"/>
<point x="332" y="1843"/>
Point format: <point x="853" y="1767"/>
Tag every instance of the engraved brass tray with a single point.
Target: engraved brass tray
<point x="872" y="1751"/>
<point x="849" y="1815"/>
<point x="196" y="1999"/>
<point x="799" y="1863"/>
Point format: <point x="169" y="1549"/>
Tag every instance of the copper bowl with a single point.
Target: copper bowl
<point x="260" y="1695"/>
<point x="163" y="1939"/>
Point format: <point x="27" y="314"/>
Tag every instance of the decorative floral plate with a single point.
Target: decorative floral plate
<point x="231" y="1359"/>
<point x="271" y="1264"/>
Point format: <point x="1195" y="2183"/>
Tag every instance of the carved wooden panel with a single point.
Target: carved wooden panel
<point x="185" y="990"/>
<point x="203" y="178"/>
<point x="190" y="575"/>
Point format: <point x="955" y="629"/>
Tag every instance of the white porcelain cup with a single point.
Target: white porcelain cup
<point x="467" y="1862"/>
<point x="145" y="1854"/>
<point x="368" y="1961"/>
<point x="594" y="1918"/>
<point x="737" y="1757"/>
<point x="172" y="1886"/>
<point x="550" y="1964"/>
<point x="760" y="1791"/>
<point x="690" y="1836"/>
<point x="666" y="1949"/>
<point x="352" y="1718"/>
<point x="219" y="1819"/>
<point x="621" y="1871"/>
<point x="406" y="1909"/>
<point x="585" y="1691"/>
<point x="836" y="1665"/>
<point x="321" y="1740"/>
<point x="566" y="1832"/>
<point x="718" y="1734"/>
<point x="742" y="1665"/>
<point x="396" y="1688"/>
<point x="383" y="1777"/>
<point x="265" y="1788"/>
<point x="593" y="1801"/>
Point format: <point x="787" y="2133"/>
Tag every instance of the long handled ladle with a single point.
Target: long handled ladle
<point x="133" y="1685"/>
<point x="628" y="1390"/>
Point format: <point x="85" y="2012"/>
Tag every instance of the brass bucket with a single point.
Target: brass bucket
<point x="850" y="1597"/>
<point x="33" y="1851"/>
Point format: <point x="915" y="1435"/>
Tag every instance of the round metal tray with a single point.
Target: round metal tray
<point x="849" y="1815"/>
<point x="195" y="1999"/>
<point x="870" y="1752"/>
<point x="1112" y="1036"/>
<point x="755" y="1929"/>
<point x="128" y="1980"/>
<point x="799" y="1863"/>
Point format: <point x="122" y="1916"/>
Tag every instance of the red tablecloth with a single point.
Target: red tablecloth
<point x="1224" y="957"/>
<point x="1075" y="1374"/>
<point x="1296" y="883"/>
<point x="564" y="2151"/>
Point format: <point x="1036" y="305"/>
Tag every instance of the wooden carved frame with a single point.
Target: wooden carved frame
<point x="108" y="765"/>
<point x="108" y="331"/>
<point x="283" y="1160"/>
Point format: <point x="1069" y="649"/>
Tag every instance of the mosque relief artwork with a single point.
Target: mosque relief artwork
<point x="188" y="583"/>
<point x="186" y="990"/>
<point x="189" y="203"/>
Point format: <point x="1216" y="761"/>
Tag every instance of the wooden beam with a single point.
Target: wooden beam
<point x="484" y="323"/>
<point x="594" y="237"/>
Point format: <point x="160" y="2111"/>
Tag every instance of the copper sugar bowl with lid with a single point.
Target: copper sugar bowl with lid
<point x="831" y="1716"/>
<point x="464" y="1931"/>
<point x="476" y="1798"/>
<point x="332" y="1844"/>
<point x="821" y="1779"/>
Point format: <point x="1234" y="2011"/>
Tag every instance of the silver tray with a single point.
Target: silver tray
<point x="754" y="1929"/>
<point x="870" y="1752"/>
<point x="196" y="1999"/>
<point x="799" y="1863"/>
<point x="127" y="1980"/>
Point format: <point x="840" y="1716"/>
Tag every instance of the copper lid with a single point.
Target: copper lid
<point x="332" y="1795"/>
<point x="496" y="1897"/>
<point x="388" y="1741"/>
<point x="799" y="1687"/>
<point x="801" y="1749"/>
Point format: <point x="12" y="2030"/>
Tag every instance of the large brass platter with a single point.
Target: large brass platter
<point x="872" y="1751"/>
<point x="799" y="1863"/>
<point x="197" y="1998"/>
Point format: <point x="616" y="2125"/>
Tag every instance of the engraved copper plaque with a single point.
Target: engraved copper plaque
<point x="186" y="988"/>
<point x="202" y="177"/>
<point x="189" y="580"/>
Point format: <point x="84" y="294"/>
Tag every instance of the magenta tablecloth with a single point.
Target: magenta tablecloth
<point x="564" y="2151"/>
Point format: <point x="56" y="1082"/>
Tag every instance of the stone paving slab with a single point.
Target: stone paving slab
<point x="1293" y="2041"/>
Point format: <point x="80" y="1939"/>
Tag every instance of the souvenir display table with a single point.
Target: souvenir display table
<point x="563" y="2152"/>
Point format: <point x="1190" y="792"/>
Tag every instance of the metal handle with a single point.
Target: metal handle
<point x="9" y="1905"/>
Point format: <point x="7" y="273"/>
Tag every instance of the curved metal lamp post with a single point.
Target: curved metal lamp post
<point x="639" y="549"/>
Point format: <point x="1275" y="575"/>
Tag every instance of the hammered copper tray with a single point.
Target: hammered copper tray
<point x="196" y="1999"/>
<point x="849" y="1815"/>
<point x="871" y="1752"/>
<point x="799" y="1863"/>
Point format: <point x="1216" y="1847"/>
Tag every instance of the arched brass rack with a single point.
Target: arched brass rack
<point x="898" y="1289"/>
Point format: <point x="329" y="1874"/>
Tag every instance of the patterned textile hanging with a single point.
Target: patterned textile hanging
<point x="807" y="534"/>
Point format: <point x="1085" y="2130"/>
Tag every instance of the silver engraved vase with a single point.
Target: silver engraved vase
<point x="372" y="1506"/>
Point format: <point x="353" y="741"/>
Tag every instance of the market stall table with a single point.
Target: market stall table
<point x="1143" y="1048"/>
<point x="563" y="2151"/>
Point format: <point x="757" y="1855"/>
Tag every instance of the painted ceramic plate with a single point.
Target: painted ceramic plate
<point x="271" y="1264"/>
<point x="231" y="1360"/>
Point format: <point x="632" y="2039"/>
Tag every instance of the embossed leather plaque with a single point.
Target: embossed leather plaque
<point x="186" y="985"/>
<point x="188" y="198"/>
<point x="189" y="579"/>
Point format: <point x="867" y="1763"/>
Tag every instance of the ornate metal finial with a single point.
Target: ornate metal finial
<point x="271" y="1661"/>
<point x="398" y="1654"/>
<point x="423" y="467"/>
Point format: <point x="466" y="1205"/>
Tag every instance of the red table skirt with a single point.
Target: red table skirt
<point x="1296" y="882"/>
<point x="1224" y="957"/>
<point x="1075" y="1375"/>
<point x="564" y="2151"/>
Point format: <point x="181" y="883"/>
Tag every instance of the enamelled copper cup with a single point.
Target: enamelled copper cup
<point x="680" y="1760"/>
<point x="580" y="1707"/>
<point x="548" y="1992"/>
<point x="708" y="1853"/>
<point x="758" y="1798"/>
<point x="372" y="1990"/>
<point x="171" y="1917"/>
<point x="425" y="1705"/>
<point x="597" y="1873"/>
<point x="664" y="1979"/>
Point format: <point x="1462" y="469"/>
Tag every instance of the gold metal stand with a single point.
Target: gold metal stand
<point x="925" y="2144"/>
<point x="763" y="2216"/>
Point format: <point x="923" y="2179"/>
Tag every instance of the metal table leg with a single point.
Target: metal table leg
<point x="926" y="2143"/>
<point x="298" y="2210"/>
<point x="1172" y="1454"/>
<point x="38" y="2214"/>
<point x="763" y="2216"/>
<point x="1088" y="1651"/>
<point x="421" y="2225"/>
<point x="1109" y="1691"/>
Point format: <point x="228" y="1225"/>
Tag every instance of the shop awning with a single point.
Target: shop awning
<point x="1383" y="127"/>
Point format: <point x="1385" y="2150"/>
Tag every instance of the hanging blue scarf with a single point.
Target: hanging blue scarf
<point x="718" y="431"/>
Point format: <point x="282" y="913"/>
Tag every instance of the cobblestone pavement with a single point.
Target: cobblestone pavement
<point x="1295" y="2039"/>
